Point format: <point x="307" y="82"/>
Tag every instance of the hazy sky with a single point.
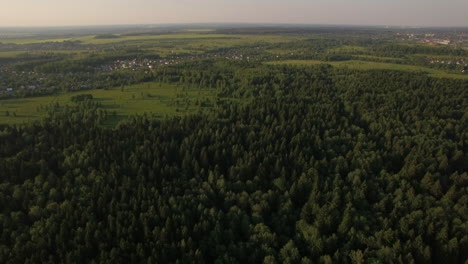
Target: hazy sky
<point x="97" y="12"/>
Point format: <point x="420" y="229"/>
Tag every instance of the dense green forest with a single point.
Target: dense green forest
<point x="310" y="165"/>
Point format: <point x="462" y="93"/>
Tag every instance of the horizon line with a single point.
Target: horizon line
<point x="231" y="23"/>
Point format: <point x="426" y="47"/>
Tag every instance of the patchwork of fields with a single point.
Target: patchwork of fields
<point x="163" y="45"/>
<point x="170" y="100"/>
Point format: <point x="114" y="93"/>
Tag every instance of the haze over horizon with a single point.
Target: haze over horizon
<point x="119" y="12"/>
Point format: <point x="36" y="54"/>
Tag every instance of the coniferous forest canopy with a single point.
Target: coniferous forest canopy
<point x="234" y="145"/>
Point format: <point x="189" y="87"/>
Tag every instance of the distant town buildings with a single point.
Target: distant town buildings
<point x="437" y="41"/>
<point x="430" y="38"/>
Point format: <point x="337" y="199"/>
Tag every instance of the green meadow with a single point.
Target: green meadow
<point x="370" y="65"/>
<point x="159" y="100"/>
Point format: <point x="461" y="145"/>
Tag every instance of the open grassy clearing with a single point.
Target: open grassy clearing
<point x="369" y="65"/>
<point x="370" y="57"/>
<point x="160" y="100"/>
<point x="349" y="49"/>
<point x="17" y="54"/>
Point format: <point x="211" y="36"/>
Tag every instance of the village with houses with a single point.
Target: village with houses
<point x="454" y="64"/>
<point x="40" y="68"/>
<point x="14" y="83"/>
<point x="434" y="39"/>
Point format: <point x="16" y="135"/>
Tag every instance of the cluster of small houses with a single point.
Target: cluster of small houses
<point x="10" y="90"/>
<point x="431" y="39"/>
<point x="134" y="64"/>
<point x="458" y="62"/>
<point x="437" y="41"/>
<point x="151" y="64"/>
